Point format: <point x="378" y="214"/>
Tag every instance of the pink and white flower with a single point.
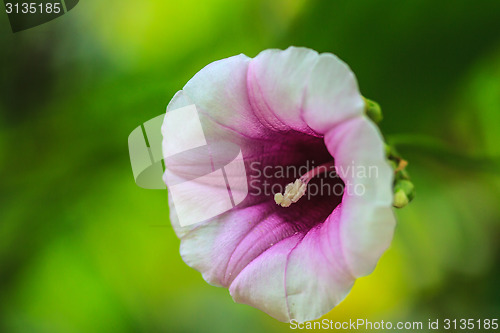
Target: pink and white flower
<point x="286" y="108"/>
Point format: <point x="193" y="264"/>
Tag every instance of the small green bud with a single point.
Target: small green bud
<point x="404" y="193"/>
<point x="373" y="111"/>
<point x="400" y="199"/>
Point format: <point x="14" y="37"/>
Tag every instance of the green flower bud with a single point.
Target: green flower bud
<point x="404" y="193"/>
<point x="373" y="111"/>
<point x="400" y="199"/>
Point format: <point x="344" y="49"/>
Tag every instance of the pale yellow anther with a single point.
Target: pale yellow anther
<point x="293" y="192"/>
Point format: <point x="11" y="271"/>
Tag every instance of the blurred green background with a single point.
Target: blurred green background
<point x="83" y="249"/>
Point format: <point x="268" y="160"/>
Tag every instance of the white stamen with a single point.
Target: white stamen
<point x="295" y="191"/>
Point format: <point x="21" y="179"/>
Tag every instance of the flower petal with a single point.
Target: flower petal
<point x="332" y="94"/>
<point x="220" y="94"/>
<point x="367" y="221"/>
<point x="297" y="89"/>
<point x="276" y="83"/>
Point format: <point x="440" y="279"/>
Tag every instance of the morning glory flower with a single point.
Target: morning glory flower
<point x="294" y="247"/>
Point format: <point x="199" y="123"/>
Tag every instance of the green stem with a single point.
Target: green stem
<point x="445" y="153"/>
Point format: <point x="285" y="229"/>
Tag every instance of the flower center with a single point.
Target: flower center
<point x="296" y="190"/>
